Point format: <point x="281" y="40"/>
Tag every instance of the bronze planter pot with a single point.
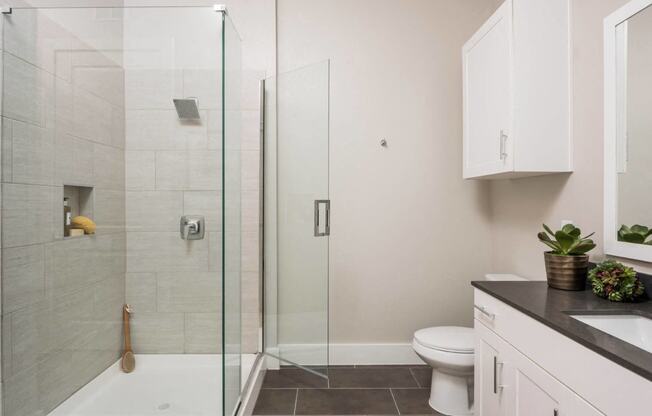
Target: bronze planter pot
<point x="567" y="272"/>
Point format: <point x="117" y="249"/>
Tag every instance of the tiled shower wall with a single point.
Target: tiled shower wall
<point x="174" y="169"/>
<point x="62" y="124"/>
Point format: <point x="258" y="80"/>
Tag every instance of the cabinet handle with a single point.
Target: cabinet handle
<point x="503" y="140"/>
<point x="495" y="375"/>
<point x="483" y="310"/>
<point x="497" y="385"/>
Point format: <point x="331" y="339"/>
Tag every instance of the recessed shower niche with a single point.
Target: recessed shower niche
<point x="77" y="200"/>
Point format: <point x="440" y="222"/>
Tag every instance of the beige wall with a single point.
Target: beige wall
<point x="408" y="234"/>
<point x="520" y="206"/>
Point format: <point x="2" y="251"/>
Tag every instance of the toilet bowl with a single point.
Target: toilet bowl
<point x="449" y="351"/>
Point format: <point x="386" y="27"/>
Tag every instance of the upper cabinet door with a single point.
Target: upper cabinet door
<point x="517" y="100"/>
<point x="487" y="97"/>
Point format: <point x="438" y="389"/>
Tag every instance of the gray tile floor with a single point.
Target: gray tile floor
<point x="354" y="390"/>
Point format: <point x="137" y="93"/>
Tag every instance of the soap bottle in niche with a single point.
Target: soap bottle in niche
<point x="67" y="217"/>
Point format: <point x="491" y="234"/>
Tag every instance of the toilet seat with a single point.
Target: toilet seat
<point x="452" y="339"/>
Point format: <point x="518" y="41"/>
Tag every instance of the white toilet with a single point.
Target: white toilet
<point x="449" y="351"/>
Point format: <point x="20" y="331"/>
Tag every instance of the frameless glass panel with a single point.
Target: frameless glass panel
<point x="299" y="312"/>
<point x="231" y="121"/>
<point x="90" y="128"/>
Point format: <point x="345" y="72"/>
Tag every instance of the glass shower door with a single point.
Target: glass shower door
<point x="297" y="213"/>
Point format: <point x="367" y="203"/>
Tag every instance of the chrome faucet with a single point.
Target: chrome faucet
<point x="191" y="227"/>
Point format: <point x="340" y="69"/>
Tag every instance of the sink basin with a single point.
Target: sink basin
<point x="634" y="329"/>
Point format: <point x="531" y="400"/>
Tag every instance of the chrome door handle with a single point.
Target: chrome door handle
<point x="495" y="375"/>
<point x="327" y="217"/>
<point x="503" y="145"/>
<point x="497" y="386"/>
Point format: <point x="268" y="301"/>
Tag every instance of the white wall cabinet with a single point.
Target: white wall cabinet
<point x="517" y="92"/>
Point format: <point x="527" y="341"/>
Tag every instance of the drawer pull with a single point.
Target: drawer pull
<point x="485" y="312"/>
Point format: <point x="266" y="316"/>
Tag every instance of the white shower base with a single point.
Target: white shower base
<point x="165" y="385"/>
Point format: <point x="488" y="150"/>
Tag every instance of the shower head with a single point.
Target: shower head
<point x="187" y="108"/>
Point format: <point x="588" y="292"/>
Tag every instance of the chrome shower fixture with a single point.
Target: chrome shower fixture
<point x="187" y="108"/>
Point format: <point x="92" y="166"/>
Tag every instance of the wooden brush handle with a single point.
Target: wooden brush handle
<point x="125" y="322"/>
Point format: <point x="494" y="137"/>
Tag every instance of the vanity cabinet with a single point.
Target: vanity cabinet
<point x="523" y="368"/>
<point x="517" y="92"/>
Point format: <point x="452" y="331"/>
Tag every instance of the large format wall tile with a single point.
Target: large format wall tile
<point x="163" y="130"/>
<point x="28" y="91"/>
<point x="207" y="204"/>
<point x="188" y="170"/>
<point x="32" y="151"/>
<point x="23" y="276"/>
<point x="91" y="116"/>
<point x="206" y="85"/>
<point x="203" y="333"/>
<point x="152" y="88"/>
<point x="73" y="160"/>
<point x="189" y="292"/>
<point x="164" y="252"/>
<point x="108" y="167"/>
<point x="158" y="332"/>
<point x="99" y="78"/>
<point x="109" y="210"/>
<point x="27" y="214"/>
<point x="154" y="210"/>
<point x="141" y="291"/>
<point x="140" y="170"/>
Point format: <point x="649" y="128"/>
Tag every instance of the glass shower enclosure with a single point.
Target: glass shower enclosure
<point x="114" y="195"/>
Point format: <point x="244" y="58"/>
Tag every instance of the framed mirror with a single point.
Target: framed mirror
<point x="628" y="131"/>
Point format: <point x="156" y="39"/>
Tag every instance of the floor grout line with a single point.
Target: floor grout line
<point x="394" y="399"/>
<point x="296" y="400"/>
<point x="415" y="378"/>
<point x="346" y="388"/>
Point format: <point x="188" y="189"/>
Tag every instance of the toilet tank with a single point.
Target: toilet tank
<point x="497" y="277"/>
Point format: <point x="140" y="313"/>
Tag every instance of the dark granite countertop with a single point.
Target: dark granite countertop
<point x="553" y="307"/>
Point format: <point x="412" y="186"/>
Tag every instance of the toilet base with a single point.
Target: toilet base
<point x="451" y="395"/>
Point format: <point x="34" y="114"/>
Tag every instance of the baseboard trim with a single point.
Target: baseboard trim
<point x="351" y="354"/>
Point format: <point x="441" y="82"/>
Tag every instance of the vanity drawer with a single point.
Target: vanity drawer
<point x="491" y="312"/>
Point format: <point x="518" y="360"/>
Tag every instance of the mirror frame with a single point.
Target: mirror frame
<point x="612" y="101"/>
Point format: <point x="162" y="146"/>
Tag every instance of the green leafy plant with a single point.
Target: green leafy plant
<point x="567" y="241"/>
<point x="636" y="234"/>
<point x="615" y="281"/>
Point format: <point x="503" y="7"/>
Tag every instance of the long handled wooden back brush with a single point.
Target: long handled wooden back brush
<point x="128" y="362"/>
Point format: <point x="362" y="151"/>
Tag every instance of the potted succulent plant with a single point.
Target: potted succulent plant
<point x="615" y="281"/>
<point x="567" y="263"/>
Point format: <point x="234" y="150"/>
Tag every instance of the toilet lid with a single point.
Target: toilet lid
<point x="446" y="338"/>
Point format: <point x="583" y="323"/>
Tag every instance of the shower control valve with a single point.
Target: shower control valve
<point x="191" y="227"/>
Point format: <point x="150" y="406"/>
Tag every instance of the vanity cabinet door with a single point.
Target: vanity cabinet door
<point x="491" y="373"/>
<point x="535" y="392"/>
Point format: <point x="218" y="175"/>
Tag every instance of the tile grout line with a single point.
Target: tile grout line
<point x="296" y="400"/>
<point x="415" y="378"/>
<point x="394" y="400"/>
